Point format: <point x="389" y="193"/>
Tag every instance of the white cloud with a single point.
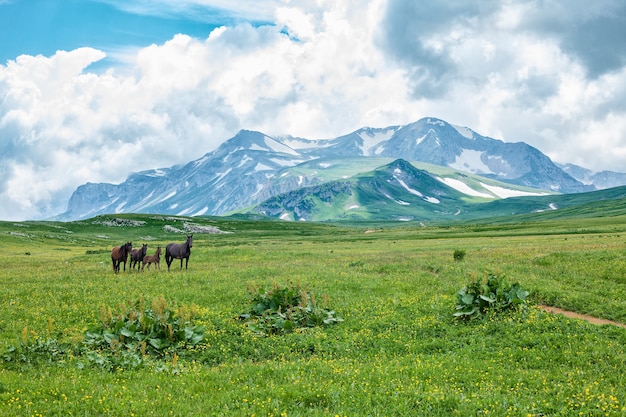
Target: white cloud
<point x="324" y="68"/>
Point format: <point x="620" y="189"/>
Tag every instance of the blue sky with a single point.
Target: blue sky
<point x="36" y="27"/>
<point x="80" y="78"/>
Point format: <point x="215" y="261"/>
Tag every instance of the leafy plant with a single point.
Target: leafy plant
<point x="123" y="339"/>
<point x="459" y="254"/>
<point x="38" y="351"/>
<point x="490" y="294"/>
<point x="283" y="309"/>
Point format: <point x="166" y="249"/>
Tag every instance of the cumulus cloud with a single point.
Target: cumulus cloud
<point x="516" y="70"/>
<point x="547" y="73"/>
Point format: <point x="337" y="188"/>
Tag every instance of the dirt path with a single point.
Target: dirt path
<point x="571" y="314"/>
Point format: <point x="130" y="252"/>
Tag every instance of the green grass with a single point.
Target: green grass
<point x="398" y="352"/>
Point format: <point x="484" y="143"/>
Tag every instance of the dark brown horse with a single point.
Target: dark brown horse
<point x="119" y="254"/>
<point x="153" y="259"/>
<point x="136" y="256"/>
<point x="179" y="251"/>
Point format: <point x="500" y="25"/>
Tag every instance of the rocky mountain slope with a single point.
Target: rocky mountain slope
<point x="253" y="167"/>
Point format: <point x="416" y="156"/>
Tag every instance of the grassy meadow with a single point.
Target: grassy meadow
<point x="398" y="352"/>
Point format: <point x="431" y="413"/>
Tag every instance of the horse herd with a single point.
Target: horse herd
<point x="138" y="257"/>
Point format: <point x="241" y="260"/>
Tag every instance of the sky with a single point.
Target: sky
<point x="93" y="90"/>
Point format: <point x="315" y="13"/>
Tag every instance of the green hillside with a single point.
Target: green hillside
<point x="399" y="191"/>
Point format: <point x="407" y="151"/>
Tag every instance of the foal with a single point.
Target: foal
<point x="136" y="255"/>
<point x="153" y="259"/>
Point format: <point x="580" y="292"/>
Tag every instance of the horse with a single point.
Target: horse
<point x="153" y="259"/>
<point x="136" y="256"/>
<point x="179" y="251"/>
<point x="119" y="254"/>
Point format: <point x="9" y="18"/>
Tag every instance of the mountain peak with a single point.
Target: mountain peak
<point x="256" y="141"/>
<point x="252" y="167"/>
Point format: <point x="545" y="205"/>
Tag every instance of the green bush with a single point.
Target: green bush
<point x="281" y="310"/>
<point x="124" y="338"/>
<point x="459" y="254"/>
<point x="491" y="294"/>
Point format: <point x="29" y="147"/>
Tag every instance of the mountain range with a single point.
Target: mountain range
<point x="425" y="170"/>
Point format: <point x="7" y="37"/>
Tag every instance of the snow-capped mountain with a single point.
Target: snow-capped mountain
<point x="252" y="167"/>
<point x="600" y="180"/>
<point x="437" y="142"/>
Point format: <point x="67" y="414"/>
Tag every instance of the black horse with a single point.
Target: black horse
<point x="179" y="251"/>
<point x="136" y="256"/>
<point x="119" y="254"/>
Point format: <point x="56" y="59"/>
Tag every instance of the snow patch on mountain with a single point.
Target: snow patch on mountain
<point x="468" y="133"/>
<point x="470" y="161"/>
<point x="437" y="122"/>
<point x="421" y="139"/>
<point x="279" y="147"/>
<point x="168" y="196"/>
<point x="551" y="206"/>
<point x="245" y="159"/>
<point x="156" y="173"/>
<point x="463" y="188"/>
<point x="201" y="212"/>
<point x="262" y="167"/>
<point x="507" y="192"/>
<point x="432" y="200"/>
<point x="285" y="162"/>
<point x="220" y="175"/>
<point x="372" y="140"/>
<point x="409" y="189"/>
<point x="259" y="188"/>
<point x="299" y="143"/>
<point x="200" y="161"/>
<point x="147" y="198"/>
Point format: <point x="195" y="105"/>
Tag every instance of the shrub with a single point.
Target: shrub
<point x="492" y="294"/>
<point x="283" y="309"/>
<point x="459" y="254"/>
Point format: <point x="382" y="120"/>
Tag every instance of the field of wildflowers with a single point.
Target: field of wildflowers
<point x="397" y="352"/>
